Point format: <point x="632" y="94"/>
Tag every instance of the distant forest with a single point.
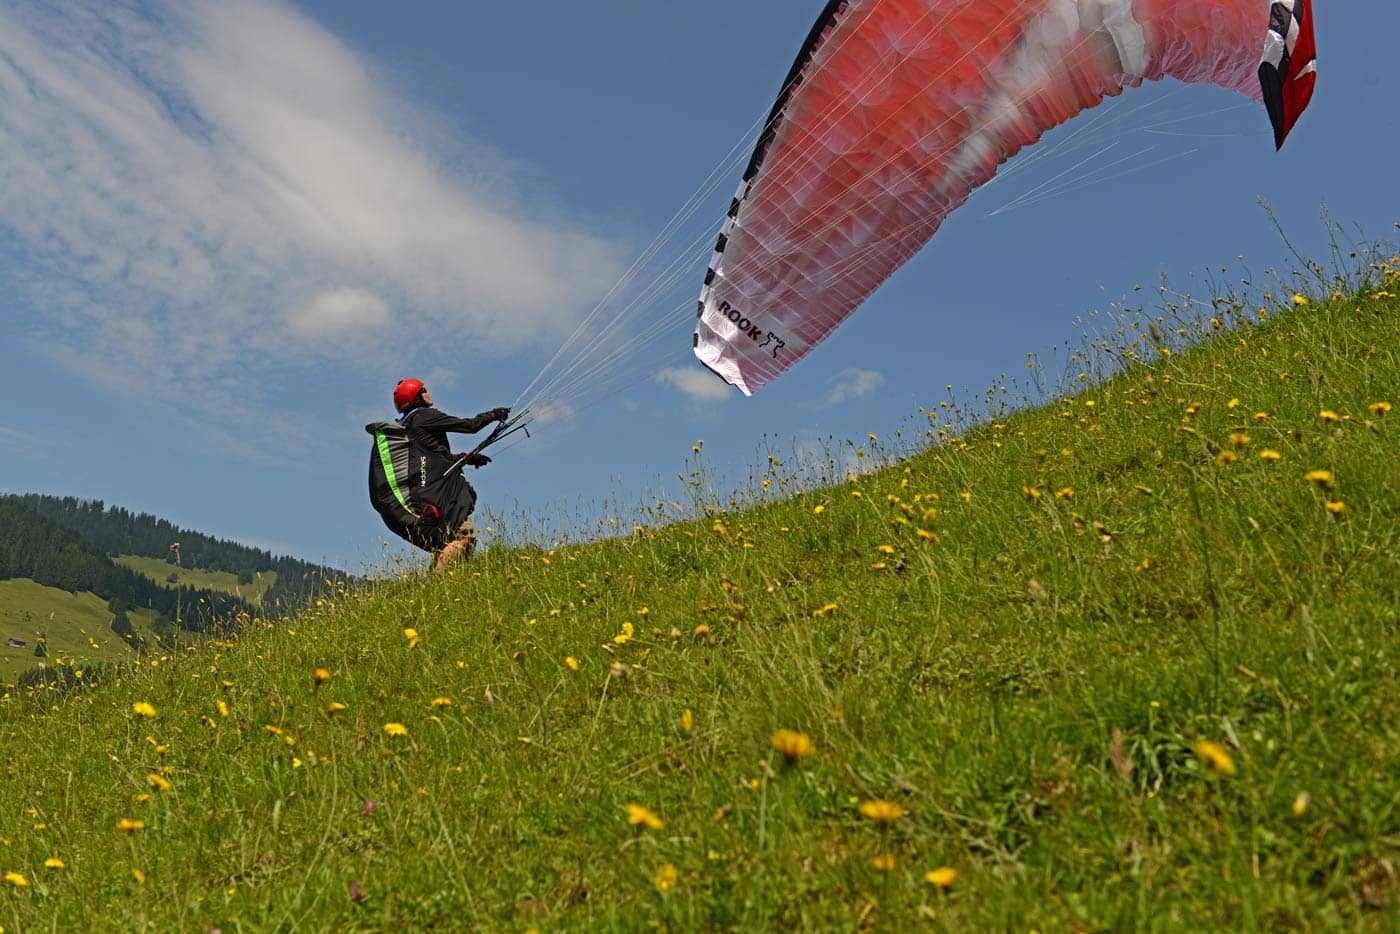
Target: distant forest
<point x="66" y="542"/>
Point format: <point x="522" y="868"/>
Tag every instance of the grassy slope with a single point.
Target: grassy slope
<point x="159" y="570"/>
<point x="75" y="626"/>
<point x="1029" y="685"/>
<point x="78" y="626"/>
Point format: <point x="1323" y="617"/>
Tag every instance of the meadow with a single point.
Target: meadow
<point x="161" y="571"/>
<point x="72" y="625"/>
<point x="1127" y="659"/>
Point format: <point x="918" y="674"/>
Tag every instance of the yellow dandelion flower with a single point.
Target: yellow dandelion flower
<point x="943" y="877"/>
<point x="53" y="862"/>
<point x="1226" y="457"/>
<point x="883" y="812"/>
<point x="1239" y="438"/>
<point x="412" y="636"/>
<point x="702" y="630"/>
<point x="884" y="862"/>
<point x="1327" y="415"/>
<point x="139" y="876"/>
<point x="1335" y="507"/>
<point x="159" y="782"/>
<point x="1215" y="756"/>
<point x="642" y="816"/>
<point x="143" y="709"/>
<point x="1322" y="478"/>
<point x="878" y="566"/>
<point x="17" y="880"/>
<point x="334" y="707"/>
<point x="1300" y="804"/>
<point x="1378" y="408"/>
<point x="321" y="675"/>
<point x="666" y="876"/>
<point x="571" y="662"/>
<point x="128" y="825"/>
<point x="395" y="729"/>
<point x="1232" y="404"/>
<point x="792" y="744"/>
<point x="1269" y="454"/>
<point x="1031" y="493"/>
<point x="441" y="702"/>
<point x="625" y="636"/>
<point x="818" y="510"/>
<point x="885" y="549"/>
<point x="687" y="720"/>
<point x="1299" y="299"/>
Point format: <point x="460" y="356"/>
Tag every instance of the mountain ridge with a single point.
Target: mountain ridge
<point x="86" y="548"/>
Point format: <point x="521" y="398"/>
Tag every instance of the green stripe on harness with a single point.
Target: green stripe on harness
<point x="382" y="443"/>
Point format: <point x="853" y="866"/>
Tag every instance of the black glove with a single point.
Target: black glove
<point x="499" y="415"/>
<point x="477" y="460"/>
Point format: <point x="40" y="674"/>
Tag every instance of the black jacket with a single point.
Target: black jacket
<point x="429" y="427"/>
<point x="449" y="492"/>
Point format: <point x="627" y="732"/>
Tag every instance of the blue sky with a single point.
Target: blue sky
<point x="227" y="229"/>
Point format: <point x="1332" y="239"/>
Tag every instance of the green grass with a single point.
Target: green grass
<point x="159" y="570"/>
<point x="75" y="626"/>
<point x="78" y="626"/>
<point x="1101" y="585"/>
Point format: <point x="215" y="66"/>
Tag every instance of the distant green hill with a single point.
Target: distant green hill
<point x="115" y="531"/>
<point x="35" y="546"/>
<point x="71" y="625"/>
<point x="163" y="572"/>
<point x="61" y="579"/>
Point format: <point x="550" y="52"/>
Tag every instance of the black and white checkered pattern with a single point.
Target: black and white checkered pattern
<point x="1278" y="65"/>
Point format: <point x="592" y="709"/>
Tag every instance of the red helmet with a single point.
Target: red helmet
<point x="407" y="392"/>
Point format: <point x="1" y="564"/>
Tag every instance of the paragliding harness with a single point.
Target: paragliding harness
<point x="422" y="495"/>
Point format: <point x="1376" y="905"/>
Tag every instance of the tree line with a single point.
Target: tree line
<point x="113" y="530"/>
<point x="46" y="553"/>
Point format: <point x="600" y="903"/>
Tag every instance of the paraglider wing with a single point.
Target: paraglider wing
<point x="1289" y="69"/>
<point x="896" y="110"/>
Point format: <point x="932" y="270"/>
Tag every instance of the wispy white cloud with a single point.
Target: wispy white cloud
<point x="336" y="311"/>
<point x="700" y="385"/>
<point x="195" y="191"/>
<point x="852" y="383"/>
